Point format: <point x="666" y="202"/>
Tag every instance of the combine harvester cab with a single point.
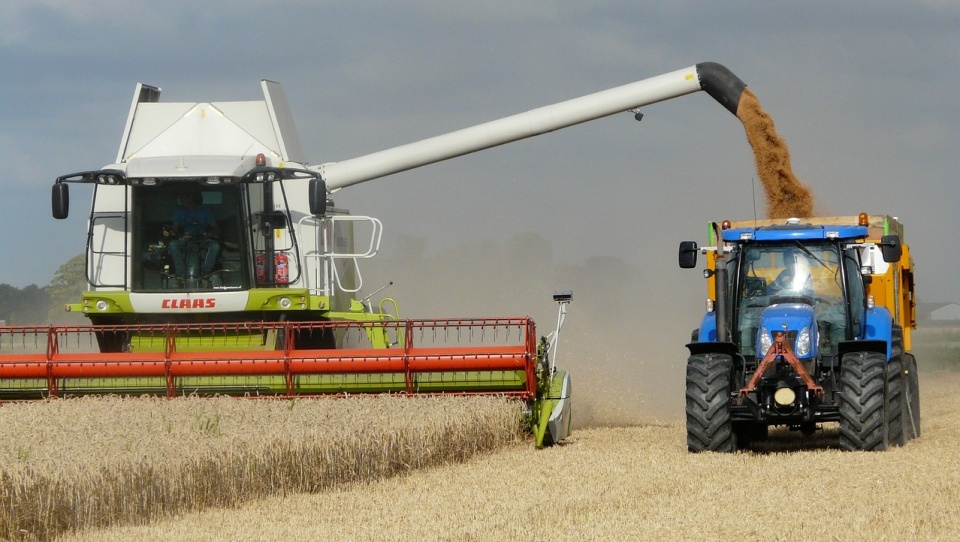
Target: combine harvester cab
<point x="264" y="303"/>
<point x="264" y="247"/>
<point x="808" y="321"/>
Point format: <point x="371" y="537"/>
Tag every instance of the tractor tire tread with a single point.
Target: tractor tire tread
<point x="709" y="426"/>
<point x="862" y="421"/>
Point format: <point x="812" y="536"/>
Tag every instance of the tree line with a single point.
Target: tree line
<point x="35" y="305"/>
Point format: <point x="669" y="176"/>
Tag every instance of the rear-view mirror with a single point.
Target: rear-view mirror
<point x="60" y="201"/>
<point x="318" y="197"/>
<point x="688" y="254"/>
<point x="891" y="248"/>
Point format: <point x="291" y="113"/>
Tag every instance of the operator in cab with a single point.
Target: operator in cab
<point x="194" y="228"/>
<point x="795" y="279"/>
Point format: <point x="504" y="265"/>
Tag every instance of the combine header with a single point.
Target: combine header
<point x="260" y="359"/>
<point x="217" y="263"/>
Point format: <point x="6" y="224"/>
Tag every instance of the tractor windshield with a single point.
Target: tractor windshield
<point x="790" y="273"/>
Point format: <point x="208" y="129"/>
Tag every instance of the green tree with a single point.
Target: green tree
<point x="27" y="306"/>
<point x="67" y="284"/>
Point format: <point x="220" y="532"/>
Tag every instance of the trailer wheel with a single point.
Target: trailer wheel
<point x="862" y="422"/>
<point x="911" y="398"/>
<point x="894" y="407"/>
<point x="709" y="427"/>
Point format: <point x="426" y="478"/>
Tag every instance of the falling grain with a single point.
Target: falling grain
<point x="785" y="195"/>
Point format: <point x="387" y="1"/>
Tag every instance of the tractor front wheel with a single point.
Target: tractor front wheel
<point x="863" y="425"/>
<point x="709" y="427"/>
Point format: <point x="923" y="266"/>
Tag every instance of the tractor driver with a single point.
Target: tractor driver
<point x="795" y="277"/>
<point x="195" y="225"/>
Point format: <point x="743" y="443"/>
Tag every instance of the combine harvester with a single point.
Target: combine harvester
<point x="265" y="303"/>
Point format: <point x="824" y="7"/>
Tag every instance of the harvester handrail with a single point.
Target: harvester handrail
<point x="327" y="274"/>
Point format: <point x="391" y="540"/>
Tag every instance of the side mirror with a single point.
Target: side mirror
<point x="688" y="254"/>
<point x="891" y="248"/>
<point x="318" y="197"/>
<point x="60" y="201"/>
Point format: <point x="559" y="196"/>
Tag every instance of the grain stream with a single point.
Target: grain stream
<point x="786" y="196"/>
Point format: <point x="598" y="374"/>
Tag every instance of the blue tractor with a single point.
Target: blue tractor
<point x="808" y="322"/>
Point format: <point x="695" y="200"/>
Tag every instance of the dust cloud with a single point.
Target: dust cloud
<point x="785" y="195"/>
<point x="626" y="358"/>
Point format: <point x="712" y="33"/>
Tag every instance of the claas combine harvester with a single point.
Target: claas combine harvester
<point x="259" y="296"/>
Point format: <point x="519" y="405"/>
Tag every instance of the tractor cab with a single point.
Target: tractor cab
<point x="805" y="280"/>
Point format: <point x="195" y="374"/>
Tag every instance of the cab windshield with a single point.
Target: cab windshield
<point x="790" y="273"/>
<point x="192" y="237"/>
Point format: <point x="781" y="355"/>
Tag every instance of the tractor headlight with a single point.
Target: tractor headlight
<point x="803" y="342"/>
<point x="101" y="305"/>
<point x="764" y="340"/>
<point x="285" y="302"/>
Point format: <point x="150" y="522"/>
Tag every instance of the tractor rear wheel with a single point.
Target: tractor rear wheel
<point x="895" y="408"/>
<point x="862" y="422"/>
<point x="709" y="427"/>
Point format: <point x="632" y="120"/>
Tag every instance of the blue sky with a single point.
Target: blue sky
<point x="863" y="93"/>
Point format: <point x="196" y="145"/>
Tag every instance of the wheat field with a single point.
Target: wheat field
<point x="67" y="464"/>
<point x="424" y="474"/>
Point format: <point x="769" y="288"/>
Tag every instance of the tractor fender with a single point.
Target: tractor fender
<point x="878" y="326"/>
<point x="708" y="328"/>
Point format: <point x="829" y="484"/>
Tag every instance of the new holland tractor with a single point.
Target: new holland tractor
<point x="217" y="263"/>
<point x="808" y="321"/>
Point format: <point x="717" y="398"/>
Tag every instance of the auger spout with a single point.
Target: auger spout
<point x="719" y="82"/>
